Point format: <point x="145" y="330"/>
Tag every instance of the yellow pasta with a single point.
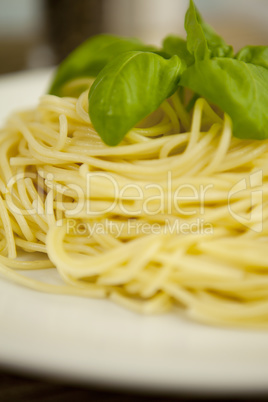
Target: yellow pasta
<point x="175" y="215"/>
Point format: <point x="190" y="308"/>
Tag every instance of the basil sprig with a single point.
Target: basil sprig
<point x="88" y="59"/>
<point x="117" y="103"/>
<point x="174" y="45"/>
<point x="257" y="55"/>
<point x="215" y="43"/>
<point x="133" y="79"/>
<point x="238" y="88"/>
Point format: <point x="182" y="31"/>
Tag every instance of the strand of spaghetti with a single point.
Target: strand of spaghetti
<point x="21" y="221"/>
<point x="158" y="304"/>
<point x="82" y="107"/>
<point x="20" y="264"/>
<point x="4" y="157"/>
<point x="159" y="129"/>
<point x="63" y="132"/>
<point x="223" y="147"/>
<point x="168" y="109"/>
<point x="181" y="111"/>
<point x="8" y="230"/>
<point x="87" y="291"/>
<point x="137" y="264"/>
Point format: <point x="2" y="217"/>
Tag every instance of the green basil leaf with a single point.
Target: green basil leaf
<point x="239" y="89"/>
<point x="173" y="44"/>
<point x="88" y="59"/>
<point x="257" y="55"/>
<point x="130" y="87"/>
<point x="216" y="44"/>
<point x="196" y="40"/>
<point x="202" y="41"/>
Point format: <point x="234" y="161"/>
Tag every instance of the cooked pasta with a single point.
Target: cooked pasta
<point x="175" y="215"/>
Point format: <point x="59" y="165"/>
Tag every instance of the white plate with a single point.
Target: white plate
<point x="95" y="341"/>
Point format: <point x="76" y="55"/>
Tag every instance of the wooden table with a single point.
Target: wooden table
<point x="15" y="387"/>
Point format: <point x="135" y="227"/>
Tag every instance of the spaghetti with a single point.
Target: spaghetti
<point x="174" y="215"/>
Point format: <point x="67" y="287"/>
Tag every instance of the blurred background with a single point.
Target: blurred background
<point x="40" y="33"/>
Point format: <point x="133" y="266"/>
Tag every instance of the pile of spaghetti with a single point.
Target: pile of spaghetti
<point x="175" y="215"/>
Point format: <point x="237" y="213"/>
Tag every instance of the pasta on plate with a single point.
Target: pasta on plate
<point x="176" y="214"/>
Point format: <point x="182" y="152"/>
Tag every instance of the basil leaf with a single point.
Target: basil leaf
<point x="173" y="44"/>
<point x="91" y="56"/>
<point x="257" y="55"/>
<point x="196" y="40"/>
<point x="202" y="40"/>
<point x="130" y="87"/>
<point x="216" y="44"/>
<point x="239" y="89"/>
